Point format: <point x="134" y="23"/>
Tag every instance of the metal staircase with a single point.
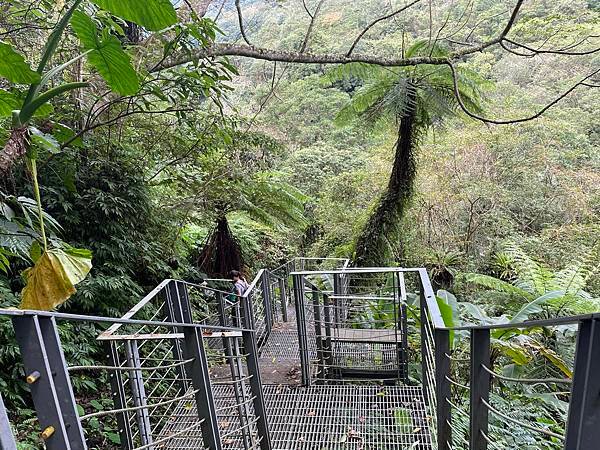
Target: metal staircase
<point x="315" y="355"/>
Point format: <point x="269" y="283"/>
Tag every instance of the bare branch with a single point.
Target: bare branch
<point x="241" y="21"/>
<point x="306" y="9"/>
<point x="225" y="49"/>
<point x="376" y="21"/>
<point x="313" y="18"/>
<point x="249" y="51"/>
<point x="466" y="110"/>
<point x="552" y="51"/>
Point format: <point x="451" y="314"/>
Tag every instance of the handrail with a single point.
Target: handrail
<point x="116" y="320"/>
<point x="152" y="294"/>
<point x="435" y="315"/>
<point x="357" y="270"/>
<point x="310" y="258"/>
<point x="254" y="283"/>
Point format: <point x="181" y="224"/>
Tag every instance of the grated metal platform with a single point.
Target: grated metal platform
<point x="360" y="417"/>
<point x="324" y="417"/>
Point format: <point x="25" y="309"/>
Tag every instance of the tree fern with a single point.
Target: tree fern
<point x="563" y="290"/>
<point x="498" y="285"/>
<point x="411" y="99"/>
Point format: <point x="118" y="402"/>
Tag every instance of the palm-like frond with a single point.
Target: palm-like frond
<point x="498" y="285"/>
<point x="573" y="278"/>
<point x="270" y="200"/>
<point x="386" y="92"/>
<point x="531" y="275"/>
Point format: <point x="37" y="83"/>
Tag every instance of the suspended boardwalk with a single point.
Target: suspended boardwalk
<point x="327" y="358"/>
<point x="325" y="416"/>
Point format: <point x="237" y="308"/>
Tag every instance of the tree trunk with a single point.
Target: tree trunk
<point x="375" y="243"/>
<point x="221" y="252"/>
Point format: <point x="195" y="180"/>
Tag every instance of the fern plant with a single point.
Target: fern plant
<point x="411" y="100"/>
<point x="537" y="284"/>
<point x="266" y="199"/>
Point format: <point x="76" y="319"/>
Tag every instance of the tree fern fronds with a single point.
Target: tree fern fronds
<point x="498" y="285"/>
<point x="529" y="272"/>
<point x="364" y="103"/>
<point x="575" y="277"/>
<point x="357" y="70"/>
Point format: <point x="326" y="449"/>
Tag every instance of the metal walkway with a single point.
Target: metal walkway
<point x="314" y="356"/>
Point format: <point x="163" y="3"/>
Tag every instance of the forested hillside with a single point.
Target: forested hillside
<point x="458" y="135"/>
<point x="479" y="186"/>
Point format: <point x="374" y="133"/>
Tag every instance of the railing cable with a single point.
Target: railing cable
<point x="526" y="380"/>
<point x="456" y="383"/>
<point x="171" y="436"/>
<point x="523" y="424"/>
<point x="137" y="408"/>
<point x="129" y="368"/>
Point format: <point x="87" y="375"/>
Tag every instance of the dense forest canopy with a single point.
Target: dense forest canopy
<point x="144" y="139"/>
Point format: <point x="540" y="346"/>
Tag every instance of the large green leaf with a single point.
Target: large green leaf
<point x="447" y="315"/>
<point x="52" y="279"/>
<point x="106" y="55"/>
<point x="153" y="15"/>
<point x="535" y="306"/>
<point x="8" y="102"/>
<point x="14" y="68"/>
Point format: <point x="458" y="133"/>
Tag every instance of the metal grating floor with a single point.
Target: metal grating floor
<point x="360" y="417"/>
<point x="326" y="417"/>
<point x="283" y="344"/>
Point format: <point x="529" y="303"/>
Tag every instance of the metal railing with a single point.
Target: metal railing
<point x="170" y="382"/>
<point x="7" y="440"/>
<point x="352" y="324"/>
<point x="464" y="394"/>
<point x="180" y="369"/>
<point x="282" y="282"/>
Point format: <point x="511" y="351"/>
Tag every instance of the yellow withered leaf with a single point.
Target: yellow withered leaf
<point x="51" y="281"/>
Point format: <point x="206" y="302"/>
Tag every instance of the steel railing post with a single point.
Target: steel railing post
<point x="138" y="391"/>
<point x="442" y="386"/>
<point x="583" y="424"/>
<point x="337" y="290"/>
<point x="266" y="294"/>
<point x="223" y="319"/>
<point x="301" y="325"/>
<point x="327" y="345"/>
<point x="7" y="440"/>
<point x="404" y="340"/>
<point x="318" y="333"/>
<point x="173" y="313"/>
<point x="260" y="411"/>
<point x="119" y="399"/>
<point x="283" y="299"/>
<point x="49" y="382"/>
<point x="197" y="368"/>
<point x="423" y="321"/>
<point x="480" y="388"/>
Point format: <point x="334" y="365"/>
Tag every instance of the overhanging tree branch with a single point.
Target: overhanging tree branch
<point x="375" y="22"/>
<point x="313" y="18"/>
<point x="251" y="51"/>
<point x="241" y="21"/>
<point x="533" y="51"/>
<point x="473" y="115"/>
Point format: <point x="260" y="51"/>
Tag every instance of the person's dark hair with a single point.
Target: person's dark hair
<point x="235" y="273"/>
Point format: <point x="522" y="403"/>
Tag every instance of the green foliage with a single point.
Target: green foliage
<point x="538" y="285"/>
<point x="14" y="68"/>
<point x="153" y="15"/>
<point x="105" y="54"/>
<point x="8" y="102"/>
